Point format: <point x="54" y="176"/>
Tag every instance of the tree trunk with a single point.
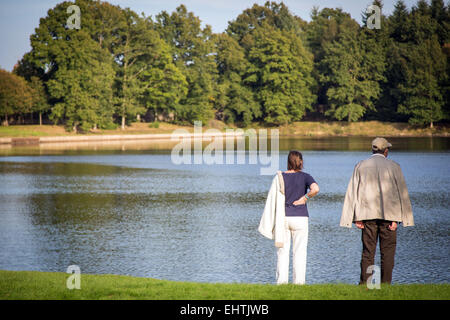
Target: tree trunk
<point x="40" y="118"/>
<point x="124" y="85"/>
<point x="6" y="120"/>
<point x="431" y="124"/>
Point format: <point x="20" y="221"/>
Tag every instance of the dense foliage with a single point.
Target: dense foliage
<point x="269" y="66"/>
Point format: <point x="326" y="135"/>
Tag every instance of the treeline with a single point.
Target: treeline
<point x="269" y="66"/>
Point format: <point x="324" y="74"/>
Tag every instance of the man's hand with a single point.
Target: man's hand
<point x="359" y="224"/>
<point x="300" y="201"/>
<point x="393" y="226"/>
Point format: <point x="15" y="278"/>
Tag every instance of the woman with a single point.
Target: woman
<point x="296" y="185"/>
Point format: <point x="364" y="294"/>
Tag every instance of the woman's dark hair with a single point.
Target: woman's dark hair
<point x="295" y="161"/>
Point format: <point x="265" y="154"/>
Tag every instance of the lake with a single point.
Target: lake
<point x="125" y="208"/>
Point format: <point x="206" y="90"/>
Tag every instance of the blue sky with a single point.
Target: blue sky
<point x="18" y="18"/>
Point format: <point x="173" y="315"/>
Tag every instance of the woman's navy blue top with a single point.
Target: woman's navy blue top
<point x="296" y="185"/>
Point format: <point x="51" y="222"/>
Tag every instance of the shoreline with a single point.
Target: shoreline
<point x="61" y="140"/>
<point x="36" y="141"/>
<point x="46" y="134"/>
<point x="142" y="138"/>
<point x="15" y="141"/>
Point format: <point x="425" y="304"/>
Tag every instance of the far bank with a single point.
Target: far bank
<point x="162" y="130"/>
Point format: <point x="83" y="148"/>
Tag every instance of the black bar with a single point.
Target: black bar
<point x="218" y="309"/>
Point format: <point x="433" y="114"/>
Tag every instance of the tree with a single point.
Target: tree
<point x="417" y="70"/>
<point x="280" y="74"/>
<point x="34" y="77"/>
<point x="350" y="64"/>
<point x="82" y="86"/>
<point x="234" y="102"/>
<point x="398" y="23"/>
<point x="78" y="71"/>
<point x="276" y="15"/>
<point x="397" y="27"/>
<point x="193" y="54"/>
<point x="441" y="14"/>
<point x="146" y="75"/>
<point x="15" y="95"/>
<point x="165" y="84"/>
<point x="423" y="97"/>
<point x="324" y="28"/>
<point x="39" y="97"/>
<point x="382" y="47"/>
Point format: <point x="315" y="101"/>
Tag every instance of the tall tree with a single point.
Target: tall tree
<point x="81" y="87"/>
<point x="324" y="28"/>
<point x="164" y="84"/>
<point x="234" y="102"/>
<point x="79" y="73"/>
<point x="353" y="68"/>
<point x="397" y="26"/>
<point x="146" y="75"/>
<point x="35" y="79"/>
<point x="193" y="54"/>
<point x="378" y="42"/>
<point x="424" y="99"/>
<point x="15" y="95"/>
<point x="39" y="97"/>
<point x="399" y="23"/>
<point x="441" y="14"/>
<point x="418" y="66"/>
<point x="280" y="74"/>
<point x="276" y="15"/>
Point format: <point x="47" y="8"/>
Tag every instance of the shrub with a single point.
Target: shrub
<point x="154" y="124"/>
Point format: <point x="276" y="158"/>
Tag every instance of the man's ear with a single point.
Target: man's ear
<point x="386" y="152"/>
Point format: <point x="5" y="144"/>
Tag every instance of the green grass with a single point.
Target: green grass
<point x="49" y="285"/>
<point x="22" y="131"/>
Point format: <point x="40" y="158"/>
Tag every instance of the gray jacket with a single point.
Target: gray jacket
<point x="377" y="190"/>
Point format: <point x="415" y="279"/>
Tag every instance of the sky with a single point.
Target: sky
<point x="19" y="18"/>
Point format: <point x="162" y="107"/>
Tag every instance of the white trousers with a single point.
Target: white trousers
<point x="297" y="227"/>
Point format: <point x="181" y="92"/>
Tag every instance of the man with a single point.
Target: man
<point x="377" y="201"/>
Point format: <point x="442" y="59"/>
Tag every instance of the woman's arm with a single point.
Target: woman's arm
<point x="313" y="191"/>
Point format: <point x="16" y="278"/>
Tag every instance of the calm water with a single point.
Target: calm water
<point x="129" y="210"/>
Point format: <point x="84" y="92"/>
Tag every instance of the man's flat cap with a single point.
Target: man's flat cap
<point x="380" y="144"/>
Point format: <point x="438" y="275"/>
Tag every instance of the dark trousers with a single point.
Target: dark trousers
<point x="374" y="229"/>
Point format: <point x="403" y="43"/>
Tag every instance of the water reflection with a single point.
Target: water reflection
<point x="429" y="144"/>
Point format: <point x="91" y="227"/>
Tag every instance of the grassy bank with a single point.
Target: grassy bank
<point x="307" y="129"/>
<point x="363" y="128"/>
<point x="51" y="130"/>
<point x="48" y="285"/>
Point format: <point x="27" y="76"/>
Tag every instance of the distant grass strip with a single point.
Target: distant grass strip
<point x="48" y="285"/>
<point x="299" y="128"/>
